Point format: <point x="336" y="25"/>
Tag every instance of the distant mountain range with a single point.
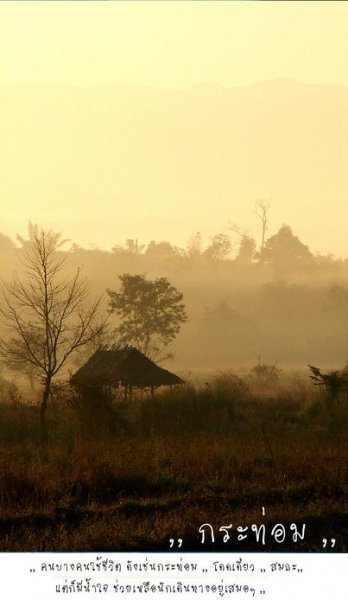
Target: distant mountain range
<point x="205" y="151"/>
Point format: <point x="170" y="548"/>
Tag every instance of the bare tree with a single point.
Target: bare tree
<point x="247" y="244"/>
<point x="261" y="209"/>
<point x="234" y="228"/>
<point x="45" y="313"/>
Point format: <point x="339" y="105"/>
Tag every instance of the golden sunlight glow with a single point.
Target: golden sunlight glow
<point x="132" y="119"/>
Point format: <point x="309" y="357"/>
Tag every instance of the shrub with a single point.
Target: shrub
<point x="268" y="374"/>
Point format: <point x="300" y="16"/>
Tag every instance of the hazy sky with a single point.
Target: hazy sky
<point x="165" y="45"/>
<point x="173" y="43"/>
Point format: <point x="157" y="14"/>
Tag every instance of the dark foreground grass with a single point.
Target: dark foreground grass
<point x="132" y="478"/>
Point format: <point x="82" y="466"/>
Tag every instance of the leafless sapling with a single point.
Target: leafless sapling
<point x="46" y="313"/>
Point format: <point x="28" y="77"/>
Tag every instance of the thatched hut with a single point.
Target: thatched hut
<point x="126" y="367"/>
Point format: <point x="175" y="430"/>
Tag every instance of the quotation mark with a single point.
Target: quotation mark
<point x="172" y="542"/>
<point x="325" y="541"/>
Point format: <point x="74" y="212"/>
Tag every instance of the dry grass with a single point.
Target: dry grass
<point x="160" y="468"/>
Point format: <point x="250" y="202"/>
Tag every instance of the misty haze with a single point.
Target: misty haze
<point x="121" y="162"/>
<point x="173" y="265"/>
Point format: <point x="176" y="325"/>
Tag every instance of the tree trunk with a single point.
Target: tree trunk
<point x="264" y="224"/>
<point x="43" y="408"/>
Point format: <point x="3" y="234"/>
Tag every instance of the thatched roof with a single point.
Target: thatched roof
<point x="128" y="366"/>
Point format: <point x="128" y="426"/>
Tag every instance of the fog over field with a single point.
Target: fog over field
<point x="173" y="274"/>
<point x="283" y="303"/>
<point x="180" y="174"/>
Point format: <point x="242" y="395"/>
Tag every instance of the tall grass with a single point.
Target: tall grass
<point x="168" y="461"/>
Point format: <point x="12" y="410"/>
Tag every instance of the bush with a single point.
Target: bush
<point x="229" y="383"/>
<point x="268" y="374"/>
<point x="9" y="393"/>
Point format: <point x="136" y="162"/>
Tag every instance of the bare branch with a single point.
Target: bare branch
<point x="46" y="314"/>
<point x="261" y="210"/>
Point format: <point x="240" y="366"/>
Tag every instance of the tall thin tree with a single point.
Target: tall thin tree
<point x="46" y="313"/>
<point x="261" y="210"/>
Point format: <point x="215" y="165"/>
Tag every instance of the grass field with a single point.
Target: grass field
<point x="134" y="477"/>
